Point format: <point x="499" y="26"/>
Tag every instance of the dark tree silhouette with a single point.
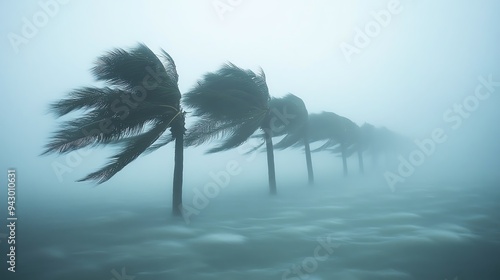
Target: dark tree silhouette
<point x="359" y="144"/>
<point x="231" y="105"/>
<point x="140" y="102"/>
<point x="377" y="142"/>
<point x="383" y="142"/>
<point x="292" y="122"/>
<point x="366" y="140"/>
<point x="339" y="132"/>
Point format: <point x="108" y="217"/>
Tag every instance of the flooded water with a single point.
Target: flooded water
<point x="411" y="86"/>
<point x="352" y="230"/>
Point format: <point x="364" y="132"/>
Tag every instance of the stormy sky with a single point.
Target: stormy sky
<point x="407" y="65"/>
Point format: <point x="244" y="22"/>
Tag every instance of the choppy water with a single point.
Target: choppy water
<point x="419" y="232"/>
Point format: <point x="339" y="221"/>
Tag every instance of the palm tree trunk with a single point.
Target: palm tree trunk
<point x="310" y="173"/>
<point x="361" y="163"/>
<point x="178" y="170"/>
<point x="270" y="161"/>
<point x="344" y="159"/>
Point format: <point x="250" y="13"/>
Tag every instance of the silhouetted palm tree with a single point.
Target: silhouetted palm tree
<point x="366" y="140"/>
<point x="292" y="122"/>
<point x="232" y="104"/>
<point x="378" y="142"/>
<point x="336" y="130"/>
<point x="358" y="144"/>
<point x="140" y="102"/>
<point x="387" y="144"/>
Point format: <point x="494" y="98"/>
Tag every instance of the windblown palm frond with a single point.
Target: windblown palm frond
<point x="380" y="139"/>
<point x="138" y="67"/>
<point x="231" y="104"/>
<point x="333" y="128"/>
<point x="340" y="134"/>
<point x="289" y="117"/>
<point x="366" y="135"/>
<point x="132" y="147"/>
<point x="140" y="102"/>
<point x="349" y="151"/>
<point x="162" y="141"/>
<point x="328" y="144"/>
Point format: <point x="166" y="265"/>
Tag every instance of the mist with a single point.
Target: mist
<point x="422" y="204"/>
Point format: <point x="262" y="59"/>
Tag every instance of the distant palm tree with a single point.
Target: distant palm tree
<point x="232" y="104"/>
<point x="134" y="111"/>
<point x="359" y="143"/>
<point x="366" y="140"/>
<point x="293" y="124"/>
<point x="339" y="133"/>
<point x="377" y="142"/>
<point x="383" y="142"/>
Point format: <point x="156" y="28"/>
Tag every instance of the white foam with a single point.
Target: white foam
<point x="222" y="238"/>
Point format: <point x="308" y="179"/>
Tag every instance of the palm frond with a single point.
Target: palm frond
<point x="328" y="144"/>
<point x="227" y="94"/>
<point x="162" y="141"/>
<point x="140" y="102"/>
<point x="205" y="130"/>
<point x="328" y="125"/>
<point x="86" y="98"/>
<point x="231" y="105"/>
<point x="89" y="130"/>
<point x="239" y="134"/>
<point x="139" y="69"/>
<point x="260" y="81"/>
<point x="349" y="150"/>
<point x="103" y="127"/>
<point x="289" y="117"/>
<point x="132" y="148"/>
<point x="170" y="67"/>
<point x="255" y="148"/>
<point x="290" y="140"/>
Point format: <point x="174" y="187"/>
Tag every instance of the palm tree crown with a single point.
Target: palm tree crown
<point x="231" y="105"/>
<point x="140" y="101"/>
<point x="339" y="132"/>
<point x="291" y="120"/>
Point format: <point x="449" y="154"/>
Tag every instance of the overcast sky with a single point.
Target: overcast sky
<point x="413" y="68"/>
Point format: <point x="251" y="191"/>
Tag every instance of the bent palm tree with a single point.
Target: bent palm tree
<point x="384" y="143"/>
<point x="357" y="145"/>
<point x="339" y="133"/>
<point x="232" y="104"/>
<point x="365" y="142"/>
<point x="140" y="102"/>
<point x="292" y="122"/>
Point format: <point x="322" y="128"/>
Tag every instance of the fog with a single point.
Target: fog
<point x="425" y="70"/>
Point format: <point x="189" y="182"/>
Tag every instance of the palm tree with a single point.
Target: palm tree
<point x="292" y="122"/>
<point x="384" y="142"/>
<point x="231" y="104"/>
<point x="339" y="133"/>
<point x="140" y="102"/>
<point x="359" y="143"/>
<point x="366" y="141"/>
<point x="377" y="141"/>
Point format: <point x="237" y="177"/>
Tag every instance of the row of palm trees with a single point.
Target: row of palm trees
<point x="141" y="100"/>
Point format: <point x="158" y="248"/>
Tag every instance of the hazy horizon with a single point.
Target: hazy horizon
<point x="413" y="67"/>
